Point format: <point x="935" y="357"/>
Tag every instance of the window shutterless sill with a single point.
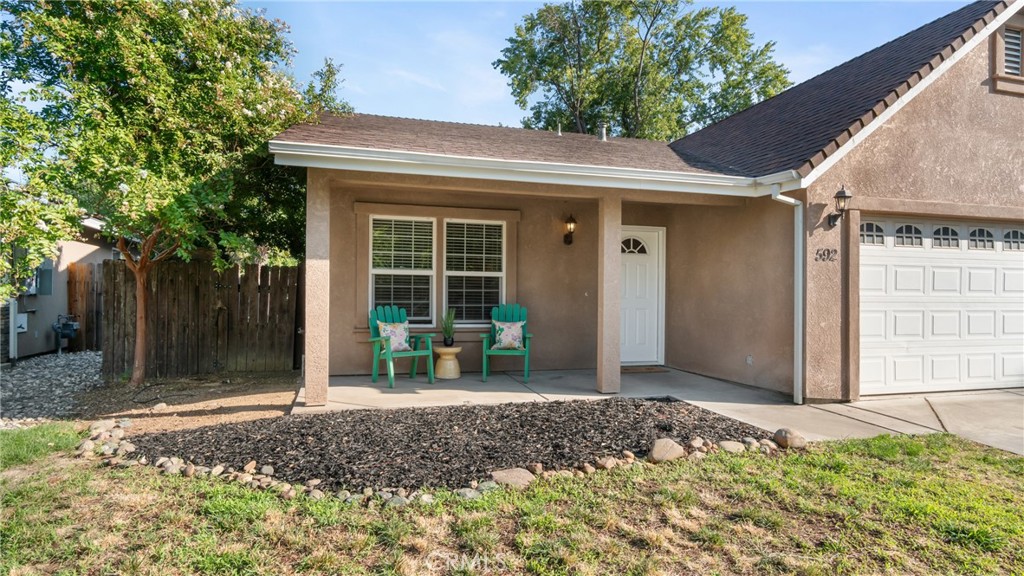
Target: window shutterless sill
<point x="1005" y="84"/>
<point x="417" y="329"/>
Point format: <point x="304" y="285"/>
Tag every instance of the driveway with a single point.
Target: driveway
<point x="991" y="417"/>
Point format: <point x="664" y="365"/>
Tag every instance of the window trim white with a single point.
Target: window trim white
<point x="634" y="249"/>
<point x="976" y="235"/>
<point x="1006" y="239"/>
<point x="1020" y="52"/>
<point x="951" y="237"/>
<point x="918" y="233"/>
<point x="502" y="275"/>
<point x="876" y="233"/>
<point x="432" y="273"/>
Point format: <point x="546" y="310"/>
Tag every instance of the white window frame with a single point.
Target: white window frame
<point x="1012" y="240"/>
<point x="875" y="233"/>
<point x="977" y="239"/>
<point x="916" y="236"/>
<point x="502" y="275"/>
<point x="432" y="273"/>
<point x="945" y="237"/>
<point x="1020" y="51"/>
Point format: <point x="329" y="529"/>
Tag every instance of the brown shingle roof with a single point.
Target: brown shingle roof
<point x="491" y="142"/>
<point x="799" y="128"/>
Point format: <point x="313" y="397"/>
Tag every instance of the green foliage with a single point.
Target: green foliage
<point x="24" y="446"/>
<point x="156" y="116"/>
<point x="448" y="323"/>
<point x="651" y="69"/>
<point x="33" y="218"/>
<point x="966" y="516"/>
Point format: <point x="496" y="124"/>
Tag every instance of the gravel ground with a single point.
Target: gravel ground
<point x="447" y="446"/>
<point x="46" y="386"/>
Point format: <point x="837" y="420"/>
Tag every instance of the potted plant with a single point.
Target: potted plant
<point x="448" y="327"/>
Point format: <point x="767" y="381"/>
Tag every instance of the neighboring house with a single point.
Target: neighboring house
<point x="46" y="297"/>
<point x="713" y="254"/>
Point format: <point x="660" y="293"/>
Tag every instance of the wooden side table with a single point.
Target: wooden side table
<point x="447" y="367"/>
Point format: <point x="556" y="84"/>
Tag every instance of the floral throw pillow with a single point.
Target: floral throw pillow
<point x="508" y="335"/>
<point x="398" y="332"/>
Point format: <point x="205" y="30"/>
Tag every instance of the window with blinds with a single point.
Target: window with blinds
<point x="1012" y="52"/>
<point x="402" y="265"/>
<point x="474" y="268"/>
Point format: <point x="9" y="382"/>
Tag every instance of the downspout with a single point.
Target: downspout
<point x="798" y="290"/>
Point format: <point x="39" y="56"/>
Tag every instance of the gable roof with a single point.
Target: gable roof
<point x="799" y="128"/>
<point x="370" y="132"/>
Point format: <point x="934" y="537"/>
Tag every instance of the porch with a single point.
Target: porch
<point x="764" y="408"/>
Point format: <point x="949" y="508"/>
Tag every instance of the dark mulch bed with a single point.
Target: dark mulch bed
<point x="446" y="446"/>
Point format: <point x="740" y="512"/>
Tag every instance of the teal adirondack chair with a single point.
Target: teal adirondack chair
<point x="420" y="344"/>
<point x="508" y="313"/>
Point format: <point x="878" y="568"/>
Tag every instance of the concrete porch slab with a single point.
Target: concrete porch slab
<point x="354" y="392"/>
<point x="991" y="417"/>
<point x="764" y="408"/>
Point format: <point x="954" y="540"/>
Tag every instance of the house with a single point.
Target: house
<point x="723" y="253"/>
<point x="28" y="318"/>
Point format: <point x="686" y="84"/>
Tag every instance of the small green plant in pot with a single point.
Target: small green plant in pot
<point x="448" y="327"/>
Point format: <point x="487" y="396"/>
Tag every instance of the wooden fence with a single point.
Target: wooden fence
<point x="85" y="300"/>
<point x="201" y="321"/>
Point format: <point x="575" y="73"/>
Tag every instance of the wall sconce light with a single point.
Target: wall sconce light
<point x="842" y="200"/>
<point x="570" y="227"/>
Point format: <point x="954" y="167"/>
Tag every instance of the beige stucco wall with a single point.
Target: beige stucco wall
<point x="729" y="289"/>
<point x="40" y="337"/>
<point x="728" y="281"/>
<point x="955" y="150"/>
<point x="548" y="276"/>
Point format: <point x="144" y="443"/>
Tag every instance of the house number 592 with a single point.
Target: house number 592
<point x="825" y="255"/>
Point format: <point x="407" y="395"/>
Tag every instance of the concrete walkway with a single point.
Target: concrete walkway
<point x="992" y="417"/>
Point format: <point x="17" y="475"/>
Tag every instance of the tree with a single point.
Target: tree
<point x="651" y="69"/>
<point x="32" y="219"/>
<point x="159" y="104"/>
<point x="265" y="219"/>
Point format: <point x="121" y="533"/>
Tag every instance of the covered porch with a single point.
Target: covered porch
<point x="670" y="265"/>
<point x="766" y="409"/>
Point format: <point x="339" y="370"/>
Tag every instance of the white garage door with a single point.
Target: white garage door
<point x="941" y="306"/>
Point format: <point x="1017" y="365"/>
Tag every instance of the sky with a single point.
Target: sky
<point x="432" y="60"/>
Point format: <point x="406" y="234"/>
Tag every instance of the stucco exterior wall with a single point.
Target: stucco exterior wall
<point x="956" y="151"/>
<point x="730" y="293"/>
<point x="557" y="283"/>
<point x="728" y="277"/>
<point x="40" y="337"/>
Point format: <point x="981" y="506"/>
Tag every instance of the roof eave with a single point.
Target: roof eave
<point x="873" y="119"/>
<point x="427" y="164"/>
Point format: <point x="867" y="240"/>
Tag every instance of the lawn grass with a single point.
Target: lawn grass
<point x="909" y="505"/>
<point x="23" y="446"/>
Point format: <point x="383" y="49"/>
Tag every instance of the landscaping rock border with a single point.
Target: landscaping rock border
<point x="650" y="418"/>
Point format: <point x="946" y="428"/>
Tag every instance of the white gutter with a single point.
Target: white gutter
<point x="798" y="290"/>
<point x="429" y="164"/>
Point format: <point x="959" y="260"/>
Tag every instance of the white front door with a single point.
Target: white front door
<point x="643" y="295"/>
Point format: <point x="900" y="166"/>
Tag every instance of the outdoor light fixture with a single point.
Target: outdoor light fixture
<point x="570" y="227"/>
<point x="842" y="199"/>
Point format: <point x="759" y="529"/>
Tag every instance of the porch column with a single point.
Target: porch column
<point x="318" y="289"/>
<point x="609" y="293"/>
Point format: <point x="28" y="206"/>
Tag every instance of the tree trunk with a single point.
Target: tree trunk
<point x="141" y="299"/>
